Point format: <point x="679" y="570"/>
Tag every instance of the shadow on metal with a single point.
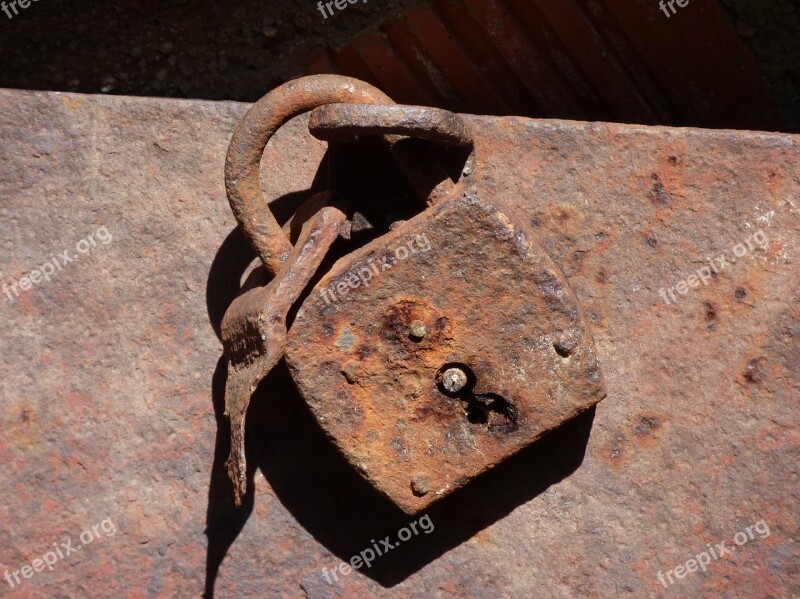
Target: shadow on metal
<point x="327" y="497"/>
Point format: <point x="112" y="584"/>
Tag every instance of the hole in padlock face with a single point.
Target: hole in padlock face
<point x="457" y="380"/>
<point x="492" y="410"/>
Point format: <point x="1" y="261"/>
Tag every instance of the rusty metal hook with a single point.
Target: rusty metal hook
<point x="242" y="165"/>
<point x="336" y="122"/>
<point x="395" y="123"/>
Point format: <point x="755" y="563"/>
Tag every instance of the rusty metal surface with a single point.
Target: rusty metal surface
<point x="333" y="122"/>
<point x="377" y="391"/>
<point x="110" y="408"/>
<point x="399" y="127"/>
<point x="473" y="288"/>
<point x="254" y="328"/>
<point x="242" y="172"/>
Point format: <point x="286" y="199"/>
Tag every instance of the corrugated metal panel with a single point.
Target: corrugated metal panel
<point x="616" y="60"/>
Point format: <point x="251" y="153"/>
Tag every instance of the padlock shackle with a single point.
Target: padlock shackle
<point x="340" y="122"/>
<point x="242" y="165"/>
<point x="395" y="123"/>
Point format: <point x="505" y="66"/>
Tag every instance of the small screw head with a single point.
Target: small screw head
<point x="418" y="329"/>
<point x="420" y="485"/>
<point x="454" y="380"/>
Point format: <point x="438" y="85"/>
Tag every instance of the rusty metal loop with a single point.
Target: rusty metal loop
<point x="340" y="122"/>
<point x="242" y="166"/>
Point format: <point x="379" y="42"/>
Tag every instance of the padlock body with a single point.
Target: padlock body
<point x="459" y="286"/>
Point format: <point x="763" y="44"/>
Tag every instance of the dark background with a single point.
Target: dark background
<point x="239" y="50"/>
<point x="235" y="50"/>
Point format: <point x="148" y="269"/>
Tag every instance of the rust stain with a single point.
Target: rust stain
<point x="73" y="102"/>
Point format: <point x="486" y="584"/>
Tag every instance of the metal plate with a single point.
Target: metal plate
<point x="110" y="407"/>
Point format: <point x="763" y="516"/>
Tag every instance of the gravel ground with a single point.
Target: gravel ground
<point x="178" y="48"/>
<point x="238" y="51"/>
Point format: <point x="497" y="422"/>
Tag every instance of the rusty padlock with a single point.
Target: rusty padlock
<point x="428" y="355"/>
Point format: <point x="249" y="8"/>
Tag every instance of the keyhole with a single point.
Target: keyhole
<point x="489" y="409"/>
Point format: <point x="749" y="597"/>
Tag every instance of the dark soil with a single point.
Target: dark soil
<point x="178" y="48"/>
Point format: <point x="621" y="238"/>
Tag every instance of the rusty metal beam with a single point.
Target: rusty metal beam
<point x="111" y="403"/>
